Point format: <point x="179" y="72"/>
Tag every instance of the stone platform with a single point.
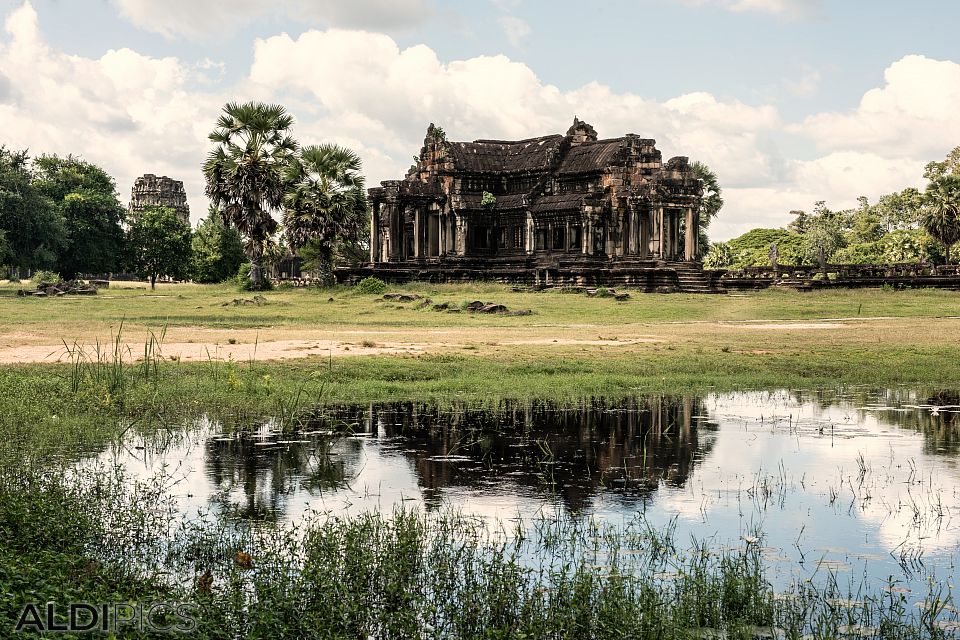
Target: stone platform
<point x="652" y="276"/>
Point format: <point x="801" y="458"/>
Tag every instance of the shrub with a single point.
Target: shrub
<point x="371" y="286"/>
<point x="50" y="277"/>
<point x="719" y="256"/>
<point x="243" y="280"/>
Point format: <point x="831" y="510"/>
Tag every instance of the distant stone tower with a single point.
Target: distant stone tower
<point x="151" y="191"/>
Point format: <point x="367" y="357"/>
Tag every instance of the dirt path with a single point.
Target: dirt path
<point x="280" y="349"/>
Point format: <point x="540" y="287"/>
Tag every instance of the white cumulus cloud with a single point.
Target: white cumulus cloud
<point x="914" y="114"/>
<point x="134" y="114"/>
<point x="208" y="18"/>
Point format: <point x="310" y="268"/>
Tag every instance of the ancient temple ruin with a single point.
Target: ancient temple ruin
<point x="151" y="191"/>
<point x="559" y="209"/>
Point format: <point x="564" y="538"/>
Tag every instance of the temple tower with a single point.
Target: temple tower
<point x="151" y="191"/>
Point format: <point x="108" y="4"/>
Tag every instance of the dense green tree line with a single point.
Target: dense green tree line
<point x="62" y="214"/>
<point x="906" y="226"/>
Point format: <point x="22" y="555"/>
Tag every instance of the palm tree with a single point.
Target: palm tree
<point x="326" y="202"/>
<point x="712" y="200"/>
<point x="940" y="214"/>
<point x="245" y="173"/>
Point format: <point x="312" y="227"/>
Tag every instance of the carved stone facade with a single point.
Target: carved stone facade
<point x="151" y="191"/>
<point x="559" y="209"/>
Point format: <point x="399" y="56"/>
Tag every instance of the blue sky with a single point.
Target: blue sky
<point x="790" y="101"/>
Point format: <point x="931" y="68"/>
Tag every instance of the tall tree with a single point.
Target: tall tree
<point x="86" y="197"/>
<point x="217" y="250"/>
<point x="949" y="166"/>
<point x="32" y="228"/>
<point x="712" y="200"/>
<point x="159" y="245"/>
<point x="825" y="234"/>
<point x="940" y="215"/>
<point x="899" y="210"/>
<point x="245" y="173"/>
<point x="326" y="205"/>
<point x="865" y="224"/>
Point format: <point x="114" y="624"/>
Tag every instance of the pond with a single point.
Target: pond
<point x="860" y="484"/>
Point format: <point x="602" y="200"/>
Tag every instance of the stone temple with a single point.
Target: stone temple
<point x="151" y="191"/>
<point x="556" y="210"/>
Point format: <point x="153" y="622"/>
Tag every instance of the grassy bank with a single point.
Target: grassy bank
<point x="205" y="313"/>
<point x="408" y="574"/>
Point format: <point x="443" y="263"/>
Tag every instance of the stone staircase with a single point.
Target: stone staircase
<point x="692" y="278"/>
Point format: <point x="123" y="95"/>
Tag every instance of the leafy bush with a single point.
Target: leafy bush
<point x="51" y="277"/>
<point x="859" y="253"/>
<point x="217" y="251"/>
<point x="752" y="249"/>
<point x="760" y="239"/>
<point x="244" y="282"/>
<point x="488" y="200"/>
<point x="371" y="286"/>
<point x="719" y="256"/>
<point x="911" y="245"/>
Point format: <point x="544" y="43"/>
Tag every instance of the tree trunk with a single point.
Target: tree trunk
<point x="153" y="281"/>
<point x="256" y="273"/>
<point x="325" y="267"/>
<point x="946" y="248"/>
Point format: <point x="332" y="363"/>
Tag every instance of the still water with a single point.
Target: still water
<point x="859" y="483"/>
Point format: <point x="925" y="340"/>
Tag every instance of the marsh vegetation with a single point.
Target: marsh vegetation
<point x="522" y="488"/>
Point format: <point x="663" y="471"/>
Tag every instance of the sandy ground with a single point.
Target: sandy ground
<point x="276" y="349"/>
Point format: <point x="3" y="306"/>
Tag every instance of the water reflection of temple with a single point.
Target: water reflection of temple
<point x="626" y="448"/>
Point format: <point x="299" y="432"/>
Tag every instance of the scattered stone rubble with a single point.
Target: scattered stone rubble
<point x="239" y="302"/>
<point x="477" y="306"/>
<point x="65" y="287"/>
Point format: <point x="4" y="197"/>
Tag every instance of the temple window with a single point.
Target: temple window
<point x="576" y="237"/>
<point x="481" y="237"/>
<point x="559" y="237"/>
<point x="518" y="237"/>
<point x="541" y="239"/>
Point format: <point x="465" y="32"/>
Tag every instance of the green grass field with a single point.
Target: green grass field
<point x="359" y="347"/>
<point x="372" y="574"/>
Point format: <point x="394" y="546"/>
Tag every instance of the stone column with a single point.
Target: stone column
<point x="690" y="246"/>
<point x="668" y="234"/>
<point x="396" y="231"/>
<point x="529" y="240"/>
<point x="671" y="233"/>
<point x="645" y="218"/>
<point x="375" y="232"/>
<point x="696" y="236"/>
<point x="661" y="227"/>
<point x="461" y="236"/>
<point x="441" y="234"/>
<point x="417" y="233"/>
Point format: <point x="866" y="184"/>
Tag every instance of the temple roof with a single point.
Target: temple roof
<point x="590" y="156"/>
<point x="505" y="202"/>
<point x="503" y="156"/>
<point x="560" y="202"/>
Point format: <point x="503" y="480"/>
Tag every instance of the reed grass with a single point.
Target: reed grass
<point x="410" y="574"/>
